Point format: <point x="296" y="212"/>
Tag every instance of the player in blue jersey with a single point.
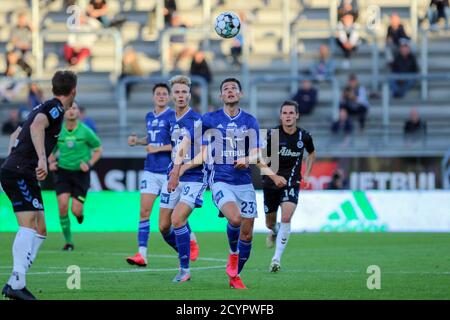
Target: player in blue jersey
<point x="187" y="178"/>
<point x="231" y="136"/>
<point x="159" y="149"/>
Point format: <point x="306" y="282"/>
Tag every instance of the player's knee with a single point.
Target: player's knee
<point x="145" y="213"/>
<point x="177" y="222"/>
<point x="63" y="209"/>
<point x="285" y="219"/>
<point x="235" y="221"/>
<point x="164" y="228"/>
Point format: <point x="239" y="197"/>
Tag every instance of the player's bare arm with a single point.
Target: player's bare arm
<point x="243" y="163"/>
<point x="52" y="162"/>
<point x="133" y="140"/>
<point x="13" y="138"/>
<point x="95" y="157"/>
<point x="164" y="148"/>
<point x="279" y="181"/>
<point x="37" y="130"/>
<point x="309" y="163"/>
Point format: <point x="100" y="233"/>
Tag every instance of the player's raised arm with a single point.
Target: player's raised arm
<point x="13" y="138"/>
<point x="37" y="130"/>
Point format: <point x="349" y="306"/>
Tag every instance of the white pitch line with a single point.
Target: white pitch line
<point x="128" y="254"/>
<point x="97" y="271"/>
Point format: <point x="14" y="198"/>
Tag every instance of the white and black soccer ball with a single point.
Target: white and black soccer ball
<point x="227" y="25"/>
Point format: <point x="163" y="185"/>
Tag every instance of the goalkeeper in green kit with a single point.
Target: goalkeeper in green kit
<point x="77" y="150"/>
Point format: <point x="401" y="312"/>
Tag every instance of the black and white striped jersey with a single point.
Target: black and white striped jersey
<point x="290" y="155"/>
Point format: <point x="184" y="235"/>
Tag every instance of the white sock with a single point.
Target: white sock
<point x="143" y="252"/>
<point x="37" y="242"/>
<point x="282" y="240"/>
<point x="275" y="228"/>
<point x="192" y="236"/>
<point x="22" y="248"/>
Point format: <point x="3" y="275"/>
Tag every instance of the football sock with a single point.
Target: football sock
<point x="65" y="226"/>
<point x="275" y="228"/>
<point x="244" y="252"/>
<point x="183" y="245"/>
<point x="233" y="237"/>
<point x="143" y="235"/>
<point x="22" y="248"/>
<point x="169" y="237"/>
<point x="282" y="240"/>
<point x="37" y="242"/>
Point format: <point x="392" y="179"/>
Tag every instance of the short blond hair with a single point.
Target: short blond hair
<point x="181" y="80"/>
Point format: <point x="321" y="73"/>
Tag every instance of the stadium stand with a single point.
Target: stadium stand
<point x="267" y="43"/>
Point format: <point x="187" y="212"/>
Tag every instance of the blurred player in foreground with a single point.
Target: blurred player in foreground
<point x="21" y="172"/>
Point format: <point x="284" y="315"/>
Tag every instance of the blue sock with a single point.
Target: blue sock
<point x="183" y="245"/>
<point x="144" y="232"/>
<point x="233" y="236"/>
<point x="169" y="237"/>
<point x="244" y="252"/>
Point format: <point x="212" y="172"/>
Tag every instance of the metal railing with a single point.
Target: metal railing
<point x="329" y="35"/>
<point x="405" y="76"/>
<point x="122" y="100"/>
<point x="289" y="79"/>
<point x="115" y="34"/>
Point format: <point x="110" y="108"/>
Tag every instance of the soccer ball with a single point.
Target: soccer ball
<point x="227" y="25"/>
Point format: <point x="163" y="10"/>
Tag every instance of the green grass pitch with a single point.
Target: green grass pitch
<point x="314" y="266"/>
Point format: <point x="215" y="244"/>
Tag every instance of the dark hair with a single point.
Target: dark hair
<point x="289" y="103"/>
<point x="160" y="85"/>
<point x="63" y="82"/>
<point x="231" y="80"/>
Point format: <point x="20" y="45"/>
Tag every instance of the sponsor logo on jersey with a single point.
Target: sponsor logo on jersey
<point x="54" y="112"/>
<point x="286" y="152"/>
<point x="155" y="123"/>
<point x="161" y="123"/>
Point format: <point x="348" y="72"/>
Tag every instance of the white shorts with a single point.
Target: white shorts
<point x="243" y="195"/>
<point x="190" y="193"/>
<point x="152" y="182"/>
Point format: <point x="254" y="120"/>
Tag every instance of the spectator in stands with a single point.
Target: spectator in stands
<point x="87" y="120"/>
<point x="348" y="6"/>
<point x="11" y="124"/>
<point x="200" y="67"/>
<point x="354" y="100"/>
<point x="21" y="34"/>
<point x="395" y="33"/>
<point x="178" y="49"/>
<point x="414" y="126"/>
<point x="130" y="67"/>
<point x="98" y="9"/>
<point x="170" y="6"/>
<point x="347" y="37"/>
<point x="306" y="97"/>
<point x="338" y="181"/>
<point x="438" y="9"/>
<point x="35" y="95"/>
<point x="16" y="69"/>
<point x="405" y="62"/>
<point x="324" y="68"/>
<point x="343" y="125"/>
<point x="78" y="47"/>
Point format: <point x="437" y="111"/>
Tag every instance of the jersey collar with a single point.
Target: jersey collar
<point x="178" y="119"/>
<point x="157" y="115"/>
<point x="230" y="117"/>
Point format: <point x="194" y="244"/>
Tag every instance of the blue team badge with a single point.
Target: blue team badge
<point x="300" y="144"/>
<point x="165" y="198"/>
<point x="155" y="123"/>
<point x="54" y="113"/>
<point x="218" y="196"/>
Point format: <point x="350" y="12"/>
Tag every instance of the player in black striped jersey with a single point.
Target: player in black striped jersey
<point x="281" y="189"/>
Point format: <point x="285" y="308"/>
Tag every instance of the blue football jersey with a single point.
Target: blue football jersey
<point x="228" y="139"/>
<point x="189" y="124"/>
<point x="158" y="134"/>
